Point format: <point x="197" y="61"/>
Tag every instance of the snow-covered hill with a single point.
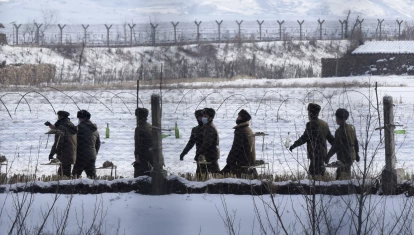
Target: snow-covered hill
<point x="119" y="11"/>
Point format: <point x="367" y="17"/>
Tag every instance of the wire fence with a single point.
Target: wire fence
<point x="169" y="33"/>
<point x="278" y="118"/>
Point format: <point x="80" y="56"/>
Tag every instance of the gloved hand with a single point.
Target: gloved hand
<point x="291" y="148"/>
<point x="182" y="157"/>
<point x="50" y="156"/>
<point x="357" y="157"/>
<point x="48" y="123"/>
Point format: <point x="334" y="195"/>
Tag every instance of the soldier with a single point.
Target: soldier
<point x="65" y="143"/>
<point x="196" y="137"/>
<point x="143" y="144"/>
<point x="346" y="145"/>
<point x="315" y="136"/>
<point x="242" y="154"/>
<point x="88" y="146"/>
<point x="209" y="149"/>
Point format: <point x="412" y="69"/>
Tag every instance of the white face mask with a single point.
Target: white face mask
<point x="204" y="120"/>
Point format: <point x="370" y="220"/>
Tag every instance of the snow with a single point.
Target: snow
<point x="385" y="47"/>
<point x="132" y="213"/>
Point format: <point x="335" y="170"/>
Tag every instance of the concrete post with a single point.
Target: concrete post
<point x="320" y="28"/>
<point x="300" y="29"/>
<point x="17" y="33"/>
<point x="198" y="30"/>
<point x="37" y="32"/>
<point x="175" y="31"/>
<point x="107" y="34"/>
<point x="260" y="29"/>
<point x="130" y="32"/>
<point x="280" y="28"/>
<point x="153" y="31"/>
<point x="84" y="33"/>
<point x="61" y="32"/>
<point x="219" y="29"/>
<point x="380" y="28"/>
<point x="399" y="28"/>
<point x="157" y="175"/>
<point x="239" y="23"/>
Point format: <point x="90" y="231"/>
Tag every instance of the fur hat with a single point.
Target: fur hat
<point x="245" y="115"/>
<point x="63" y="113"/>
<point x="142" y="113"/>
<point x="198" y="113"/>
<point x="314" y="108"/>
<point x="342" y="114"/>
<point x="84" y="114"/>
<point x="210" y="112"/>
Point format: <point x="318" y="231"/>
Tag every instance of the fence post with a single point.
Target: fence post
<point x="107" y="34"/>
<point x="175" y="31"/>
<point x="380" y="28"/>
<point x="320" y="28"/>
<point x="389" y="174"/>
<point x="280" y="28"/>
<point x="260" y="29"/>
<point x="399" y="28"/>
<point x="130" y="31"/>
<point x="239" y="23"/>
<point x="157" y="174"/>
<point x="300" y="29"/>
<point x="342" y="28"/>
<point x="17" y="33"/>
<point x="84" y="33"/>
<point x="219" y="32"/>
<point x="154" y="28"/>
<point x="37" y="31"/>
<point x="61" y="32"/>
<point x="198" y="31"/>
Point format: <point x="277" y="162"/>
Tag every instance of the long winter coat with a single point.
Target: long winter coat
<point x="315" y="136"/>
<point x="196" y="139"/>
<point x="346" y="144"/>
<point x="143" y="141"/>
<point x="242" y="151"/>
<point x="65" y="146"/>
<point x="88" y="141"/>
<point x="210" y="145"/>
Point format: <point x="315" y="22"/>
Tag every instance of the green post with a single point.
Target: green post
<point x="107" y="131"/>
<point x="177" y="131"/>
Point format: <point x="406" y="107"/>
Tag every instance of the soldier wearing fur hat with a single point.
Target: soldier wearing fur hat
<point x="88" y="146"/>
<point x="143" y="144"/>
<point x="65" y="143"/>
<point x="242" y="154"/>
<point x="315" y="136"/>
<point x="346" y="145"/>
<point x="209" y="149"/>
<point x="196" y="137"/>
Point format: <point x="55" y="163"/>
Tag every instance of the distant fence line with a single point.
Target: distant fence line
<point x="130" y="34"/>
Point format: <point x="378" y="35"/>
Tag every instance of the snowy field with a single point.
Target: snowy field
<point x="132" y="213"/>
<point x="279" y="112"/>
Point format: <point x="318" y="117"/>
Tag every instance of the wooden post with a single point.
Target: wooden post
<point x="280" y="29"/>
<point x="158" y="177"/>
<point x="389" y="175"/>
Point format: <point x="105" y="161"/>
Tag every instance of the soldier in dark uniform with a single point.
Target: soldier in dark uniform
<point x="346" y="145"/>
<point x="196" y="137"/>
<point x="209" y="149"/>
<point x="143" y="144"/>
<point x="65" y="143"/>
<point x="88" y="146"/>
<point x="242" y="154"/>
<point x="315" y="136"/>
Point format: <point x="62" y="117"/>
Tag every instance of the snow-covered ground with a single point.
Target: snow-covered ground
<point x="279" y="112"/>
<point x="132" y="213"/>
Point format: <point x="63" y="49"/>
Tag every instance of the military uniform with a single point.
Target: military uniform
<point x="315" y="136"/>
<point x="88" y="147"/>
<point x="196" y="137"/>
<point x="65" y="145"/>
<point x="209" y="147"/>
<point x="242" y="154"/>
<point x="143" y="145"/>
<point x="346" y="146"/>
